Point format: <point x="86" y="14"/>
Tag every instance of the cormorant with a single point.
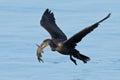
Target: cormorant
<point x="59" y="41"/>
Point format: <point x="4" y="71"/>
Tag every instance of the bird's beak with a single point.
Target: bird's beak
<point x="40" y="50"/>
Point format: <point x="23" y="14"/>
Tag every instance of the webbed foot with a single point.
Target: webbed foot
<point x="74" y="61"/>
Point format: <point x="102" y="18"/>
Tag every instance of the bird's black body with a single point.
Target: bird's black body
<point x="59" y="41"/>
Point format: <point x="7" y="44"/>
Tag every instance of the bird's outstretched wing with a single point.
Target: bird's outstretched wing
<point x="78" y="37"/>
<point x="48" y="22"/>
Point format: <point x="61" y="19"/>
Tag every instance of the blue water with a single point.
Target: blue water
<point x="20" y="31"/>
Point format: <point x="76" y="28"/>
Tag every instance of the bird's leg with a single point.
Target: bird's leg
<point x="74" y="61"/>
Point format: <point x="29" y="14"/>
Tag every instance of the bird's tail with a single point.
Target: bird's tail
<point x="81" y="56"/>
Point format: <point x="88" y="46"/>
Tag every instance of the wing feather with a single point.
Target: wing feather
<point x="79" y="36"/>
<point x="48" y="22"/>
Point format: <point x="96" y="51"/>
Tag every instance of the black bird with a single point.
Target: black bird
<point x="59" y="41"/>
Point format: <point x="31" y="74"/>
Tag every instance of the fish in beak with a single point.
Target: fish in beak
<point x="40" y="50"/>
